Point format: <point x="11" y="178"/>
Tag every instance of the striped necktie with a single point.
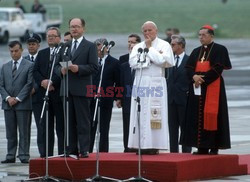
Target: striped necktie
<point x="177" y="62"/>
<point x="14" y="69"/>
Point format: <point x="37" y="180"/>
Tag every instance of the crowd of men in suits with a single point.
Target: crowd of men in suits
<point x="56" y="94"/>
<point x="115" y="73"/>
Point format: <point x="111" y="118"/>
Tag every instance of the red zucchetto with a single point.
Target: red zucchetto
<point x="209" y="27"/>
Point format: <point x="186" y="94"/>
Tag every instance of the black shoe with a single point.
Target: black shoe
<point x="8" y="161"/>
<point x="84" y="155"/>
<point x="214" y="152"/>
<point x="201" y="151"/>
<point x="148" y="152"/>
<point x="24" y="161"/>
<point x="129" y="150"/>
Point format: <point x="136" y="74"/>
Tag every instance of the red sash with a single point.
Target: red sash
<point x="212" y="98"/>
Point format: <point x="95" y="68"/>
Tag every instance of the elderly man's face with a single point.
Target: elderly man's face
<point x="149" y="31"/>
<point x="76" y="28"/>
<point x="205" y="37"/>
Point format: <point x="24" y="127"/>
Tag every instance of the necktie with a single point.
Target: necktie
<point x="14" y="69"/>
<point x="32" y="58"/>
<point x="177" y="62"/>
<point x="74" y="48"/>
<point x="52" y="52"/>
<point x="100" y="62"/>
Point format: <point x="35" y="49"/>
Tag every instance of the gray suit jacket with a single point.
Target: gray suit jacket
<point x="20" y="86"/>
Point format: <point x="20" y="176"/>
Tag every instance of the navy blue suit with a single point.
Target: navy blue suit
<point x="178" y="84"/>
<point x="110" y="78"/>
<point x="36" y="107"/>
<point x="85" y="57"/>
<point x="126" y="81"/>
<point x="42" y="69"/>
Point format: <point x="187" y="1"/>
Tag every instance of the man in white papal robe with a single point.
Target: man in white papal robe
<point x="150" y="58"/>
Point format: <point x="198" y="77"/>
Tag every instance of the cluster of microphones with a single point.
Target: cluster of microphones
<point x="108" y="45"/>
<point x="140" y="51"/>
<point x="58" y="47"/>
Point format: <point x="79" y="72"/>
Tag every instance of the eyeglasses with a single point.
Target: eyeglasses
<point x="75" y="27"/>
<point x="52" y="36"/>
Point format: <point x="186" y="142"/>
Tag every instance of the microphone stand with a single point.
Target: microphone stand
<point x="66" y="103"/>
<point x="139" y="178"/>
<point x="45" y="108"/>
<point x="97" y="176"/>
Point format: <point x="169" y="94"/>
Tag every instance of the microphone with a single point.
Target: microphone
<point x="67" y="45"/>
<point x="140" y="50"/>
<point x="145" y="54"/>
<point x="60" y="45"/>
<point x="111" y="44"/>
<point x="105" y="44"/>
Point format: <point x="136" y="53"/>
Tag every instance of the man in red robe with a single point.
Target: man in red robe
<point x="207" y="121"/>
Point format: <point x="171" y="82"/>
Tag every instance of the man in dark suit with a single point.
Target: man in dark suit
<point x="178" y="83"/>
<point x="42" y="69"/>
<point x="15" y="88"/>
<point x="83" y="55"/>
<point x="126" y="82"/>
<point x="33" y="44"/>
<point x="108" y="69"/>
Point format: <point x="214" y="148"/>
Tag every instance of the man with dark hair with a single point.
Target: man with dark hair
<point x="37" y="7"/>
<point x="42" y="70"/>
<point x="67" y="37"/>
<point x="15" y="87"/>
<point x="207" y="122"/>
<point x="178" y="83"/>
<point x="126" y="82"/>
<point x="83" y="55"/>
<point x="18" y="5"/>
<point x="132" y="40"/>
<point x="169" y="32"/>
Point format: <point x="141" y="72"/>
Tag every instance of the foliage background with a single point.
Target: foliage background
<point x="126" y="16"/>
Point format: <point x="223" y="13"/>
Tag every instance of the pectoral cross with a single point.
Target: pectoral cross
<point x="203" y="57"/>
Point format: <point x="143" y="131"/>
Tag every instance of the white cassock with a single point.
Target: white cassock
<point x="151" y="88"/>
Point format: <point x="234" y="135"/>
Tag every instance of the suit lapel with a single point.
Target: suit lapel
<point x="27" y="57"/>
<point x="9" y="69"/>
<point x="20" y="68"/>
<point x="78" y="50"/>
<point x="181" y="66"/>
<point x="183" y="63"/>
